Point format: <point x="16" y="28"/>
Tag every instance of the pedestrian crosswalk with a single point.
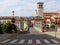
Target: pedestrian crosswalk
<point x="13" y="41"/>
<point x="54" y="41"/>
<point x="30" y="41"/>
<point x="38" y="41"/>
<point x="21" y="41"/>
<point x="6" y="41"/>
<point x="46" y="41"/>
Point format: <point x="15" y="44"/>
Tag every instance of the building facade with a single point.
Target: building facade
<point x="37" y="20"/>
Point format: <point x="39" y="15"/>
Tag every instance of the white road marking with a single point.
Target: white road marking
<point x="6" y="41"/>
<point x="21" y="42"/>
<point x="29" y="42"/>
<point x="46" y="41"/>
<point x="54" y="41"/>
<point x="38" y="42"/>
<point x="13" y="41"/>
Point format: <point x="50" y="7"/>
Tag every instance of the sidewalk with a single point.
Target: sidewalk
<point x="38" y="29"/>
<point x="51" y="33"/>
<point x="5" y="36"/>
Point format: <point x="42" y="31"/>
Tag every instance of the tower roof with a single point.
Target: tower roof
<point x="40" y="3"/>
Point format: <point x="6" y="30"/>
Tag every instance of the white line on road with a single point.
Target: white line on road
<point x="13" y="41"/>
<point x="6" y="41"/>
<point x="38" y="42"/>
<point x="29" y="42"/>
<point x="46" y="41"/>
<point x="21" y="42"/>
<point x="54" y="41"/>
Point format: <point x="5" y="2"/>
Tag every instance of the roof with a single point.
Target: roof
<point x="40" y="3"/>
<point x="37" y="17"/>
<point x="50" y="12"/>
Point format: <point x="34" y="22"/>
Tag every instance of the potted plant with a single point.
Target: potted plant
<point x="53" y="26"/>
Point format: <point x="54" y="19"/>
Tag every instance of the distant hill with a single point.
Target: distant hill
<point x="30" y="17"/>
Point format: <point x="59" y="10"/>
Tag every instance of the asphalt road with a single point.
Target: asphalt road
<point x="31" y="38"/>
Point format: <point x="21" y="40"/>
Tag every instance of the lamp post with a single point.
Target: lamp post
<point x="13" y="19"/>
<point x="13" y="13"/>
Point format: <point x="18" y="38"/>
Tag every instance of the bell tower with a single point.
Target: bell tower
<point x="39" y="10"/>
<point x="39" y="16"/>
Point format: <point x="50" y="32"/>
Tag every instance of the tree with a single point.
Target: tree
<point x="1" y="31"/>
<point x="8" y="27"/>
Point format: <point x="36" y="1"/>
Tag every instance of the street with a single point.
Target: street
<point x="31" y="38"/>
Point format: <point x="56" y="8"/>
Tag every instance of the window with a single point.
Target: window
<point x="39" y="6"/>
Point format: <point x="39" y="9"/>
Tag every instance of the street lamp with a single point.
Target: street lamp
<point x="13" y="19"/>
<point x="13" y="13"/>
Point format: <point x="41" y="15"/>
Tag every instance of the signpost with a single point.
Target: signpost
<point x="55" y="30"/>
<point x="22" y="25"/>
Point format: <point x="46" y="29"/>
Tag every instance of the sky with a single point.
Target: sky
<point x="26" y="7"/>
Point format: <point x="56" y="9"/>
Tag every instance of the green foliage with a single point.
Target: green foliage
<point x="52" y="25"/>
<point x="1" y="31"/>
<point x="7" y="27"/>
<point x="11" y="28"/>
<point x="14" y="27"/>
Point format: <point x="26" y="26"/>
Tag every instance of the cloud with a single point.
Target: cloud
<point x="51" y="5"/>
<point x="19" y="6"/>
<point x="25" y="7"/>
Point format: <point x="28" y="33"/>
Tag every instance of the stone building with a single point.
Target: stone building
<point x="38" y="19"/>
<point x="42" y="16"/>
